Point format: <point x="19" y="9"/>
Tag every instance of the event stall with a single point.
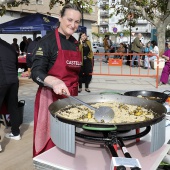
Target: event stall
<point x="33" y="23"/>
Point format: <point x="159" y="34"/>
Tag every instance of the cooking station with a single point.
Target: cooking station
<point x="90" y="146"/>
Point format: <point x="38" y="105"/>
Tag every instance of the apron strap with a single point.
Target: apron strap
<point x="58" y="39"/>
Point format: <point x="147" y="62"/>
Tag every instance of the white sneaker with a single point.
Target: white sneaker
<point x="11" y="136"/>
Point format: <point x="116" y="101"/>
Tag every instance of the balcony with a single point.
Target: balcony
<point x="141" y="30"/>
<point x="103" y="4"/>
<point x="104" y="13"/>
<point x="104" y="23"/>
<point x="142" y="22"/>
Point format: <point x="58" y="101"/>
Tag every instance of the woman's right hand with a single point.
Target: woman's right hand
<point x="58" y="85"/>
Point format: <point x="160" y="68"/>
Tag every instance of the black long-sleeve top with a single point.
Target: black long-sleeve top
<point x="45" y="54"/>
<point x="8" y="64"/>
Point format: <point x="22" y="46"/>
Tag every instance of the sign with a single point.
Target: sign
<point x="115" y="62"/>
<point x="121" y="34"/>
<point x="124" y="162"/>
<point x="114" y="29"/>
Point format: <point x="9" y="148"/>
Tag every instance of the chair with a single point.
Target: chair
<point x="3" y="111"/>
<point x="3" y="120"/>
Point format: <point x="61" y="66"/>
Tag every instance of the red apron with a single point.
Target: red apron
<point x="66" y="68"/>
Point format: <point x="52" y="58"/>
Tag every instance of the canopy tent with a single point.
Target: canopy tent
<point x="33" y="23"/>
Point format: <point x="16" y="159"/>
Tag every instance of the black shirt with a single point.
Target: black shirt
<point x="8" y="64"/>
<point x="45" y="54"/>
<point x="22" y="46"/>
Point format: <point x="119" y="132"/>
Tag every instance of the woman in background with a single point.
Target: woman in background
<point x="121" y="49"/>
<point x="166" y="69"/>
<point x="147" y="49"/>
<point x="154" y="51"/>
<point x="87" y="62"/>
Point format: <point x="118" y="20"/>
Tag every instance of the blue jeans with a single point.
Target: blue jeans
<point x="147" y="61"/>
<point x="135" y="56"/>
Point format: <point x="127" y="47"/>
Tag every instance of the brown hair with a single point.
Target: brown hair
<point x="69" y="6"/>
<point x="81" y="35"/>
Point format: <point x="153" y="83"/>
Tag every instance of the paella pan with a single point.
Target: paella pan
<point x="158" y="110"/>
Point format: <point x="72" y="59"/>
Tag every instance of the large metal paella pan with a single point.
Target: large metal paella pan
<point x="158" y="109"/>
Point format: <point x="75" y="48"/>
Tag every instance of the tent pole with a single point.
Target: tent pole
<point x="43" y="32"/>
<point x="34" y="35"/>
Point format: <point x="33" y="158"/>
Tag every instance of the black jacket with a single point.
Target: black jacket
<point x="8" y="64"/>
<point x="45" y="54"/>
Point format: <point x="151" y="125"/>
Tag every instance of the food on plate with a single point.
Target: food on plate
<point x="124" y="113"/>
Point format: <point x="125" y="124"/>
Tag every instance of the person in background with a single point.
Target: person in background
<point x="148" y="49"/>
<point x="29" y="55"/>
<point x="121" y="49"/>
<point x="56" y="61"/>
<point x="9" y="85"/>
<point x="136" y="48"/>
<point x="29" y="40"/>
<point x="87" y="62"/>
<point x="23" y="44"/>
<point x="16" y="46"/>
<point x="166" y="70"/>
<point x="107" y="43"/>
<point x="166" y="46"/>
<point x="155" y="50"/>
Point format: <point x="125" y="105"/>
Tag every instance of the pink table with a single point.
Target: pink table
<point x="21" y="59"/>
<point x="98" y="158"/>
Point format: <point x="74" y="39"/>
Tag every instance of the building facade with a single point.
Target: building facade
<point x="106" y="23"/>
<point x="42" y="6"/>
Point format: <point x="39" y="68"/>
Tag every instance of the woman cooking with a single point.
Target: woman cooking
<point x="57" y="62"/>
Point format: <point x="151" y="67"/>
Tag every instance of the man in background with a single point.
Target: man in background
<point x="136" y="48"/>
<point x="30" y="51"/>
<point x="23" y="44"/>
<point x="9" y="85"/>
<point x="15" y="46"/>
<point x="107" y="43"/>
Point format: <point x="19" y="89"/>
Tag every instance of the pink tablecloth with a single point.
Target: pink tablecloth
<point x="21" y="59"/>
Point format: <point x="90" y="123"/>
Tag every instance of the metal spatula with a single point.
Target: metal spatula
<point x="102" y="114"/>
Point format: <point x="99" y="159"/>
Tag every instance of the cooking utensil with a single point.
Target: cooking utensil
<point x="150" y="95"/>
<point x="156" y="107"/>
<point x="101" y="114"/>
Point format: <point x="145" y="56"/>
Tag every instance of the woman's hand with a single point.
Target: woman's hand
<point x="165" y="57"/>
<point x="59" y="87"/>
<point x="81" y="41"/>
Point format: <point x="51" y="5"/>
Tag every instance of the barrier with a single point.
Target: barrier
<point x="108" y="64"/>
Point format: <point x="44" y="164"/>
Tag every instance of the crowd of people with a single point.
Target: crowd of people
<point x="26" y="48"/>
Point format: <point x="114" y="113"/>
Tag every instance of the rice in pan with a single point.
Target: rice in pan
<point x="124" y="113"/>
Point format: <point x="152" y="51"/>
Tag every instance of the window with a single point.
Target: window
<point x="34" y="2"/>
<point x="39" y="2"/>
